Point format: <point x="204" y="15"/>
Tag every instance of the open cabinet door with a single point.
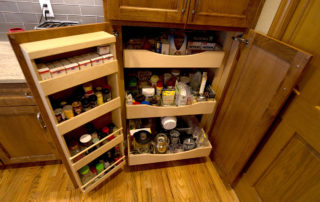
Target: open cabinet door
<point x="265" y="74"/>
<point x="33" y="48"/>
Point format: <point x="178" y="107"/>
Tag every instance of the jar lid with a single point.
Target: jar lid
<point x="85" y="138"/>
<point x="175" y="72"/>
<point x="58" y="111"/>
<point x="105" y="130"/>
<point x="67" y="107"/>
<point x="99" y="167"/>
<point x="84" y="170"/>
<point x="169" y="122"/>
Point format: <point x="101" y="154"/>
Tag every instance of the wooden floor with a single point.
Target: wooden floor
<point x="189" y="180"/>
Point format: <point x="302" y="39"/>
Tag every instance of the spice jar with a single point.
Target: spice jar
<point x="77" y="107"/>
<point x="68" y="111"/>
<point x="63" y="103"/>
<point x="86" y="140"/>
<point x="99" y="167"/>
<point x="85" y="174"/>
<point x="161" y="143"/>
<point x="74" y="149"/>
<point x="93" y="101"/>
<point x="99" y="98"/>
<point x="87" y="87"/>
<point x="85" y="104"/>
<point x="106" y="95"/>
<point x="59" y="114"/>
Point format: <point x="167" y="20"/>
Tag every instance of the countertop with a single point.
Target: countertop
<point x="10" y="71"/>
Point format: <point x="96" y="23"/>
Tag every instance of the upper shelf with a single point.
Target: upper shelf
<point x="149" y="59"/>
<point x="39" y="49"/>
<point x="54" y="85"/>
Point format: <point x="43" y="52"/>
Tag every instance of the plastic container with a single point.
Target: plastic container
<point x="85" y="174"/>
<point x="86" y="140"/>
<point x="99" y="167"/>
<point x="169" y="122"/>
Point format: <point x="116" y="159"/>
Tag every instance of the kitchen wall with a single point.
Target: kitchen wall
<point x="26" y="13"/>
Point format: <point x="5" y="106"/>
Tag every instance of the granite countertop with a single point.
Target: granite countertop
<point x="10" y="71"/>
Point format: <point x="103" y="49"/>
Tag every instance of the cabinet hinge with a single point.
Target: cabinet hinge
<point x="115" y="33"/>
<point x="241" y="40"/>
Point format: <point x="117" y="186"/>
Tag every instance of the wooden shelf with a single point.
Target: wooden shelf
<point x="98" y="152"/>
<point x="39" y="49"/>
<point x="54" y="85"/>
<point x="115" y="133"/>
<point x="89" y="186"/>
<point x="148" y="59"/>
<point x="138" y="159"/>
<point x="87" y="116"/>
<point x="146" y="111"/>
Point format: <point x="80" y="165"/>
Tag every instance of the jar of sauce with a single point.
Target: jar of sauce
<point x="68" y="111"/>
<point x="77" y="107"/>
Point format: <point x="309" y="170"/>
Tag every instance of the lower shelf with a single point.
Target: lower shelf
<point x="89" y="186"/>
<point x="138" y="159"/>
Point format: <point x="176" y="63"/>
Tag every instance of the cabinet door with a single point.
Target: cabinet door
<point x="226" y="13"/>
<point x="20" y="131"/>
<point x="265" y="74"/>
<point x="166" y="11"/>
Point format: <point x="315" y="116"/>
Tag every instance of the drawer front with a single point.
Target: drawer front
<point x="15" y="94"/>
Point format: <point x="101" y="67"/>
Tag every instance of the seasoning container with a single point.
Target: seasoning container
<point x="85" y="174"/>
<point x="189" y="144"/>
<point x="154" y="79"/>
<point x="86" y="141"/>
<point x="99" y="167"/>
<point x="169" y="122"/>
<point x="93" y="101"/>
<point x="77" y="107"/>
<point x="44" y="72"/>
<point x="87" y="87"/>
<point x="117" y="154"/>
<point x="93" y="170"/>
<point x="162" y="143"/>
<point x="106" y="95"/>
<point x="168" y="97"/>
<point x="75" y="149"/>
<point x="85" y="104"/>
<point x="99" y="98"/>
<point x="102" y="50"/>
<point x="106" y="132"/>
<point x="59" y="115"/>
<point x="63" y="103"/>
<point x="159" y="88"/>
<point x="68" y="111"/>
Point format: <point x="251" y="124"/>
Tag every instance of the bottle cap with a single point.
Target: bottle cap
<point x="84" y="170"/>
<point x="99" y="167"/>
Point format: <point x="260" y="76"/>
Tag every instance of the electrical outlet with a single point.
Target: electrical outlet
<point x="48" y="8"/>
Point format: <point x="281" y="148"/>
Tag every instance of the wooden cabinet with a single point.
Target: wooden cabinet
<point x="219" y="13"/>
<point x="169" y="11"/>
<point x="22" y="137"/>
<point x="232" y="13"/>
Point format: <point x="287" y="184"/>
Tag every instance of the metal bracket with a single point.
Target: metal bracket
<point x="115" y="33"/>
<point x="241" y="40"/>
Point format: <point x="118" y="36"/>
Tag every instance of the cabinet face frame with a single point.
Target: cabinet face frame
<point x="30" y="36"/>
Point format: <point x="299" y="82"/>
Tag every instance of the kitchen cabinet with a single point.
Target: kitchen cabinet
<point x="21" y="129"/>
<point x="30" y="47"/>
<point x="219" y="13"/>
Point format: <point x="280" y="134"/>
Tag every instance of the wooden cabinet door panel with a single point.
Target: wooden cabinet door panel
<point x="228" y="13"/>
<point x="264" y="76"/>
<point x="166" y="11"/>
<point x="21" y="137"/>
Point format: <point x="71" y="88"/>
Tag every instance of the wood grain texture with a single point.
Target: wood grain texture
<point x="224" y="13"/>
<point x="30" y="36"/>
<point x="21" y="137"/>
<point x="148" y="11"/>
<point x="189" y="180"/>
<point x="261" y="83"/>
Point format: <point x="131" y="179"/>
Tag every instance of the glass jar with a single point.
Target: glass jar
<point x="77" y="107"/>
<point x="99" y="98"/>
<point x="85" y="174"/>
<point x="68" y="111"/>
<point x="85" y="104"/>
<point x="59" y="114"/>
<point x="75" y="149"/>
<point x="106" y="95"/>
<point x="85" y="140"/>
<point x="93" y="101"/>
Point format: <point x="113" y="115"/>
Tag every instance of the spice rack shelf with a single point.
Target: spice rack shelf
<point x="87" y="116"/>
<point x="139" y="159"/>
<point x="43" y="48"/>
<point x="95" y="154"/>
<point x="147" y="111"/>
<point x="115" y="133"/>
<point x="54" y="85"/>
<point x="149" y="59"/>
<point x="89" y="185"/>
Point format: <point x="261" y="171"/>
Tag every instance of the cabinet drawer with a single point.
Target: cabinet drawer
<point x="15" y="94"/>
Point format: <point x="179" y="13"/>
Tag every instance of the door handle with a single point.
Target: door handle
<point x="195" y="7"/>
<point x="40" y="120"/>
<point x="28" y="95"/>
<point x="185" y="6"/>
